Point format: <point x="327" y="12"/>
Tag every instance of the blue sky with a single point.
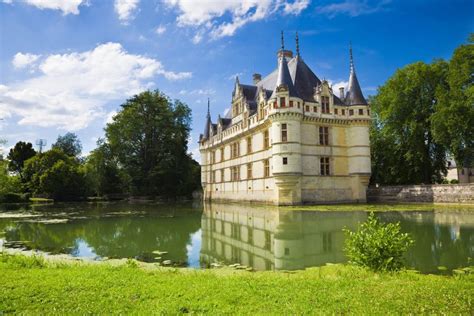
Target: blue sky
<point x="67" y="65"/>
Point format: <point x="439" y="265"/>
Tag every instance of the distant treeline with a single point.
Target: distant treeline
<point x="144" y="153"/>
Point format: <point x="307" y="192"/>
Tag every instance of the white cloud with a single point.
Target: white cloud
<point x="352" y="8"/>
<point x="21" y="60"/>
<point x="234" y="76"/>
<point x="210" y="16"/>
<point x="198" y="92"/>
<point x="125" y="9"/>
<point x="160" y="30"/>
<point x="337" y="85"/>
<point x="70" y="90"/>
<point x="66" y="6"/>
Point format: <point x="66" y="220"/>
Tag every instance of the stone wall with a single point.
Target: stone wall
<point x="438" y="193"/>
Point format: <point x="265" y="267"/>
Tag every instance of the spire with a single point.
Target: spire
<point x="282" y="41"/>
<point x="284" y="78"/>
<point x="297" y="45"/>
<point x="354" y="94"/>
<point x="208" y="121"/>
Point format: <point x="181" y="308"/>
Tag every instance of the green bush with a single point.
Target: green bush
<point x="454" y="181"/>
<point x="13" y="198"/>
<point x="377" y="246"/>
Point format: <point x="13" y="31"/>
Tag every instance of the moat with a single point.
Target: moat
<point x="197" y="236"/>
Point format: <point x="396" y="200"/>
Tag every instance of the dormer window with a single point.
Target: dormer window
<point x="324" y="104"/>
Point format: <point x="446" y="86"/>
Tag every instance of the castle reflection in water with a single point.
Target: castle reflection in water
<point x="274" y="239"/>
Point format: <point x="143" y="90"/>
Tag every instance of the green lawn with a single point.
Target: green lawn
<point x="35" y="286"/>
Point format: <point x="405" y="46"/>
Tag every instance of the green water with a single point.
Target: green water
<point x="195" y="235"/>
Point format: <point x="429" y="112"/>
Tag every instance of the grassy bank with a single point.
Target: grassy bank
<point x="35" y="286"/>
<point x="382" y="207"/>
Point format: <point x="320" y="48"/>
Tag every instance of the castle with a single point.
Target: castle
<point x="288" y="139"/>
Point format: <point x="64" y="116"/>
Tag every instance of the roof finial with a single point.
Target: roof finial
<point x="282" y="41"/>
<point x="350" y="54"/>
<point x="297" y="45"/>
<point x="208" y="108"/>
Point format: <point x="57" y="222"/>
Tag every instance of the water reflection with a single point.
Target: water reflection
<point x="261" y="237"/>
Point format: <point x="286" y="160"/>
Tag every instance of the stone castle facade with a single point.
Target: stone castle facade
<point x="288" y="139"/>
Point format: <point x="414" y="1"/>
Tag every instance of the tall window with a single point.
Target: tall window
<point x="213" y="176"/>
<point x="266" y="140"/>
<point x="235" y="150"/>
<point x="324" y="135"/>
<point x="361" y="112"/>
<point x="351" y="112"/>
<point x="266" y="168"/>
<point x="222" y="153"/>
<point x="324" y="104"/>
<point x="284" y="132"/>
<point x="249" y="171"/>
<point x="235" y="173"/>
<point x="282" y="102"/>
<point x="324" y="165"/>
<point x="249" y="145"/>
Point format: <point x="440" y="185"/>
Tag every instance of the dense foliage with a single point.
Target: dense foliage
<point x="18" y="155"/>
<point x="149" y="138"/>
<point x="421" y="115"/>
<point x="68" y="144"/>
<point x="377" y="246"/>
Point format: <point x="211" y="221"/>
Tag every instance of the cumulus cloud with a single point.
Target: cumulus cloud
<point x="353" y="8"/>
<point x="70" y="90"/>
<point x="21" y="60"/>
<point x="211" y="16"/>
<point x="125" y="9"/>
<point x="66" y="6"/>
<point x="337" y="85"/>
<point x="160" y="30"/>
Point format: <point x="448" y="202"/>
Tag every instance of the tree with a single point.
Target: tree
<point x="56" y="175"/>
<point x="8" y="183"/>
<point x="403" y="148"/>
<point x="103" y="173"/>
<point x="149" y="138"/>
<point x="453" y="122"/>
<point x="69" y="144"/>
<point x="18" y="155"/>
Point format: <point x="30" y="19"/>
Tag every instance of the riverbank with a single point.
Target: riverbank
<point x="36" y="285"/>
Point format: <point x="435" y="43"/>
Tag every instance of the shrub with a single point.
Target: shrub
<point x="13" y="198"/>
<point x="454" y="181"/>
<point x="377" y="246"/>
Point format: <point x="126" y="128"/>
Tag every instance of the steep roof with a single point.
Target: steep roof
<point x="283" y="77"/>
<point x="354" y="94"/>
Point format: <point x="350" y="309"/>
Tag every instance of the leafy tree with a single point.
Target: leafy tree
<point x="377" y="246"/>
<point x="103" y="173"/>
<point x="69" y="144"/>
<point x="453" y="122"/>
<point x="55" y="174"/>
<point x="149" y="138"/>
<point x="8" y="183"/>
<point x="18" y="155"/>
<point x="403" y="148"/>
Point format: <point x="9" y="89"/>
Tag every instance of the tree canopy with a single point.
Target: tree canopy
<point x="18" y="155"/>
<point x="69" y="144"/>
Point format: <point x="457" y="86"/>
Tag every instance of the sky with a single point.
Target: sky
<point x="68" y="65"/>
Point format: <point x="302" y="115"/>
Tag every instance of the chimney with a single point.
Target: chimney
<point x="256" y="78"/>
<point x="341" y="93"/>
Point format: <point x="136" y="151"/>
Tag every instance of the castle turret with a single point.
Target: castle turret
<point x="354" y="94"/>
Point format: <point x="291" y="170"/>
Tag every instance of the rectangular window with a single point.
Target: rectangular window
<point x="307" y="108"/>
<point x="249" y="145"/>
<point x="284" y="132"/>
<point x="282" y="102"/>
<point x="324" y="165"/>
<point x="351" y="112"/>
<point x="275" y="104"/>
<point x="235" y="173"/>
<point x="249" y="171"/>
<point x="266" y="140"/>
<point x="291" y="104"/>
<point x="213" y="176"/>
<point x="222" y="154"/>
<point x="298" y="105"/>
<point x="368" y="112"/>
<point x="235" y="150"/>
<point x="324" y="135"/>
<point x="315" y="109"/>
<point x="324" y="104"/>
<point x="266" y="168"/>
<point x="335" y="111"/>
<point x="220" y="176"/>
<point x="285" y="160"/>
<point x="361" y="112"/>
<point x="343" y="112"/>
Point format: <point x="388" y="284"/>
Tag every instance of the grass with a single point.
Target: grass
<point x="35" y="285"/>
<point x="382" y="207"/>
<point x="40" y="200"/>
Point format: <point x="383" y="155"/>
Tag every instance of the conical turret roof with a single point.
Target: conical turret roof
<point x="354" y="94"/>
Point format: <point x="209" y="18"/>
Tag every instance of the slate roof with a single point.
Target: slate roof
<point x="354" y="94"/>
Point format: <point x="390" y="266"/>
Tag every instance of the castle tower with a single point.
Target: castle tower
<point x="285" y="116"/>
<point x="358" y="136"/>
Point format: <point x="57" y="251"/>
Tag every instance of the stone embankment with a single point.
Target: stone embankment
<point x="436" y="193"/>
